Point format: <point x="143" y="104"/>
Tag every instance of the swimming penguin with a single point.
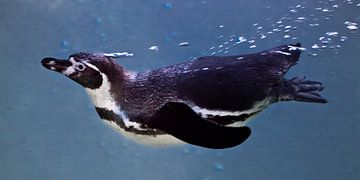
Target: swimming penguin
<point x="205" y="102"/>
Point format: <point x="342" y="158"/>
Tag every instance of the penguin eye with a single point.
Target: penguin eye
<point x="79" y="67"/>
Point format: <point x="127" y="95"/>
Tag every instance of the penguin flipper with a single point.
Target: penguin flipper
<point x="182" y="122"/>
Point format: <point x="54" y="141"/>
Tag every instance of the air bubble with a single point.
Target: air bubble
<point x="154" y="48"/>
<point x="324" y="40"/>
<point x="184" y="44"/>
<point x="276" y="30"/>
<point x="312" y="54"/>
<point x="168" y="5"/>
<point x="351" y="25"/>
<point x="314" y="25"/>
<point x="242" y="39"/>
<point x="334" y="34"/>
<point x="218" y="166"/>
<point x="65" y="44"/>
<point x="315" y="46"/>
<point x="343" y="38"/>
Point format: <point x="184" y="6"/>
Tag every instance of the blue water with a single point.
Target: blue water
<point x="49" y="129"/>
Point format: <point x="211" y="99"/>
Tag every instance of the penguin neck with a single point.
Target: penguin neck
<point x="111" y="89"/>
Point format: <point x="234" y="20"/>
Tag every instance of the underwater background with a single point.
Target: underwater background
<point x="50" y="130"/>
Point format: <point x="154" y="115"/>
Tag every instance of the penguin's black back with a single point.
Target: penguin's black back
<point x="232" y="83"/>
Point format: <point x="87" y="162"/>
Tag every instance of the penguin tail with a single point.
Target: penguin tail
<point x="300" y="89"/>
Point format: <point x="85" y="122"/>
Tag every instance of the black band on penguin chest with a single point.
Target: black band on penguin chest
<point x="109" y="115"/>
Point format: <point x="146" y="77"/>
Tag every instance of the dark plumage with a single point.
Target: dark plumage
<point x="195" y="101"/>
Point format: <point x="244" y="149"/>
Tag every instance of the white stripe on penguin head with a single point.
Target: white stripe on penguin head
<point x="72" y="69"/>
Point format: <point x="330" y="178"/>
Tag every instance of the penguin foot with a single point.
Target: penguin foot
<point x="300" y="89"/>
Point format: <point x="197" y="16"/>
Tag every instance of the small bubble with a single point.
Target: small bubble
<point x="276" y="30"/>
<point x="315" y="46"/>
<point x="312" y="54"/>
<point x="343" y="38"/>
<point x="242" y="39"/>
<point x="332" y="34"/>
<point x="168" y="5"/>
<point x="154" y="48"/>
<point x="184" y="44"/>
<point x="221" y="36"/>
<point x="98" y="20"/>
<point x="65" y="44"/>
<point x="351" y="25"/>
<point x="300" y="19"/>
<point x="324" y="40"/>
<point x="218" y="166"/>
<point x="186" y="150"/>
<point x="314" y="25"/>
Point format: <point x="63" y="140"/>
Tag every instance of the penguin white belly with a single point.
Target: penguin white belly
<point x="161" y="140"/>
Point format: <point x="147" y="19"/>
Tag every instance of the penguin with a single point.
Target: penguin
<point x="206" y="102"/>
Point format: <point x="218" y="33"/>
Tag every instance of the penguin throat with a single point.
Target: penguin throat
<point x="102" y="97"/>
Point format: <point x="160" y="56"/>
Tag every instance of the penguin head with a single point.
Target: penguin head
<point x="84" y="68"/>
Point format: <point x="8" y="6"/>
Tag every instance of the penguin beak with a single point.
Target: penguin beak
<point x="56" y="64"/>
